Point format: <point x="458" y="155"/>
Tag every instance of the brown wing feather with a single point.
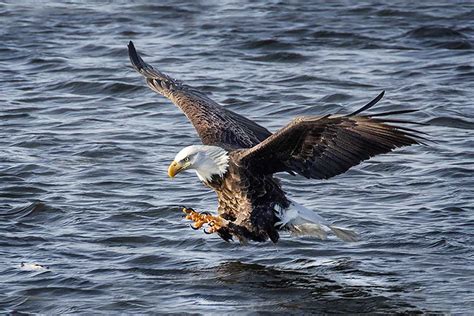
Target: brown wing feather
<point x="322" y="147"/>
<point x="214" y="124"/>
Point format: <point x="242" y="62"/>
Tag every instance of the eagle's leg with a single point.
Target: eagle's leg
<point x="215" y="222"/>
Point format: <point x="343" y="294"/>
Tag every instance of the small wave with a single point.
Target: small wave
<point x="465" y="15"/>
<point x="129" y="33"/>
<point x="282" y="57"/>
<point x="334" y="34"/>
<point x="452" y="172"/>
<point x="298" y="79"/>
<point x="267" y="44"/>
<point x="94" y="50"/>
<point x="179" y="10"/>
<point x="401" y="13"/>
<point x="435" y="32"/>
<point x="437" y="244"/>
<point x="346" y="39"/>
<point x="23" y="189"/>
<point x="440" y="37"/>
<point x="101" y="151"/>
<point x="336" y="97"/>
<point x="54" y="60"/>
<point x="38" y="141"/>
<point x="451" y="122"/>
<point x="14" y="116"/>
<point x="297" y="31"/>
<point x="147" y="259"/>
<point x="90" y="87"/>
<point x="30" y="210"/>
<point x="464" y="44"/>
<point x="464" y="68"/>
<point x="24" y="241"/>
<point x="48" y="64"/>
<point x="122" y="240"/>
<point x="450" y="246"/>
<point x="57" y="291"/>
<point x="454" y="209"/>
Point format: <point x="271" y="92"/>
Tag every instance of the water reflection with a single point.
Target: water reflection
<point x="303" y="291"/>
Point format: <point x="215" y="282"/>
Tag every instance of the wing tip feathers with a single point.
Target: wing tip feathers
<point x="134" y="57"/>
<point x="368" y="105"/>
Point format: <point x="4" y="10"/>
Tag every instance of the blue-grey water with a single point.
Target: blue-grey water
<point x="84" y="148"/>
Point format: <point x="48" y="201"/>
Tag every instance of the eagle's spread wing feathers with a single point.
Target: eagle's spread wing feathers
<point x="214" y="124"/>
<point x="322" y="147"/>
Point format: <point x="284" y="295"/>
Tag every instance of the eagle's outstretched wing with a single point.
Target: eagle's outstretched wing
<point x="322" y="147"/>
<point x="215" y="125"/>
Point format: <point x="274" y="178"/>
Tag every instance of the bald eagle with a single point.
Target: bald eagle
<point x="238" y="159"/>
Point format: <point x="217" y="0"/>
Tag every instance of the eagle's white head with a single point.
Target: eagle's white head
<point x="207" y="161"/>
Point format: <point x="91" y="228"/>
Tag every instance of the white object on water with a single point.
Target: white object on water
<point x="32" y="267"/>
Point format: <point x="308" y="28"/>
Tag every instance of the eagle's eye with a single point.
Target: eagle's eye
<point x="186" y="159"/>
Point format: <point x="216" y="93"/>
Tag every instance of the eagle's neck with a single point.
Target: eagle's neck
<point x="213" y="164"/>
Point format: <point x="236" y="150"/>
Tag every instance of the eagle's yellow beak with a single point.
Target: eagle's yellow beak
<point x="174" y="169"/>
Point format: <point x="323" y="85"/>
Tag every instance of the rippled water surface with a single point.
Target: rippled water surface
<point x="84" y="147"/>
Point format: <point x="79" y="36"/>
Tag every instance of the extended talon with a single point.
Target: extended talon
<point x="199" y="219"/>
<point x="188" y="210"/>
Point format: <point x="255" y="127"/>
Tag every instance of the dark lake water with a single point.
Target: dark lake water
<point x="84" y="148"/>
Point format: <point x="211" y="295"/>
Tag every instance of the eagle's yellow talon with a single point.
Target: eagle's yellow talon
<point x="199" y="219"/>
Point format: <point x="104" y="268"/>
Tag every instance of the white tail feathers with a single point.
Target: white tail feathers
<point x="344" y="233"/>
<point x="308" y="229"/>
<point x="304" y="222"/>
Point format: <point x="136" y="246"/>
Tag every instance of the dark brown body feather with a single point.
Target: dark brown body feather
<point x="315" y="147"/>
<point x="248" y="202"/>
